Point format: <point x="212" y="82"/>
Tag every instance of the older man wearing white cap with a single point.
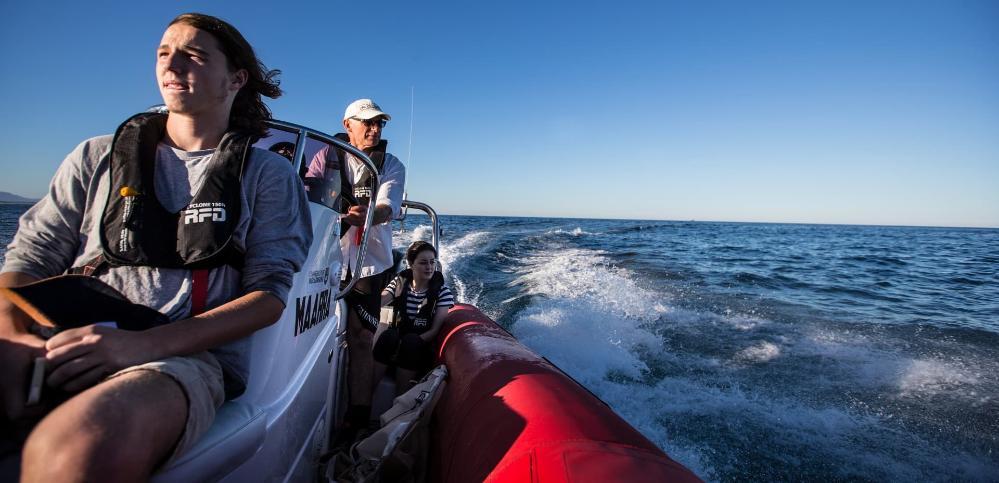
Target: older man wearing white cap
<point x="363" y="121"/>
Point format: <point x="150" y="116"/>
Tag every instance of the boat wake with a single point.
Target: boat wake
<point x="454" y="258"/>
<point x="737" y="388"/>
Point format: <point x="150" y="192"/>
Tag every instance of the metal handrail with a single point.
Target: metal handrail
<point x="433" y="219"/>
<point x="303" y="134"/>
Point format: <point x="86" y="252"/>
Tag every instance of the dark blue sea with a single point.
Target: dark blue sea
<point x="765" y="352"/>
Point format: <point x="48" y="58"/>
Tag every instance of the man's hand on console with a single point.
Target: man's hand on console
<point x="356" y="215"/>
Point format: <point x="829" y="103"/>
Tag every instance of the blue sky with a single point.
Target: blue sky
<point x="835" y="112"/>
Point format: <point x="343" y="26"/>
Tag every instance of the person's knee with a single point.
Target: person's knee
<point x="58" y="452"/>
<point x="121" y="428"/>
<point x="360" y="335"/>
<point x="42" y="450"/>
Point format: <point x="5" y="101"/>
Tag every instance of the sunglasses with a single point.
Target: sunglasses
<point x="371" y="122"/>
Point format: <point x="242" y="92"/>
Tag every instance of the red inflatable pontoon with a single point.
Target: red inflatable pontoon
<point x="509" y="415"/>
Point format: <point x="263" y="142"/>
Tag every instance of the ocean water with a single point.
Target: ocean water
<point x="763" y="352"/>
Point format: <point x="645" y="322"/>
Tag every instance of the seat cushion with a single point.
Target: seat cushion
<point x="235" y="435"/>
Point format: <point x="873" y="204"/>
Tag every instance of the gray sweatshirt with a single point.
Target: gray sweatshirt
<point x="274" y="231"/>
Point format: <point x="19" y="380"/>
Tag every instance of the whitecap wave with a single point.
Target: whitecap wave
<point x="597" y="323"/>
<point x="923" y="377"/>
<point x="454" y="258"/>
<point x="591" y="319"/>
<point x="762" y="352"/>
<point x="403" y="238"/>
<point x="588" y="275"/>
<point x="574" y="232"/>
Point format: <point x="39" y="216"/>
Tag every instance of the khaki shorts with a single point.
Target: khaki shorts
<point x="200" y="376"/>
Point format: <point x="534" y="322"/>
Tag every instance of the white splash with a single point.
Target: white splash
<point x="927" y="377"/>
<point x="403" y="238"/>
<point x="589" y="316"/>
<point x="453" y="257"/>
<point x="762" y="352"/>
<point x="574" y="232"/>
<point x="587" y="275"/>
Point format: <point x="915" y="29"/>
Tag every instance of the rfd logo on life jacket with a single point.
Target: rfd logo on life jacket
<point x="200" y="212"/>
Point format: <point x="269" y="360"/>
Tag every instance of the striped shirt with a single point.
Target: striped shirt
<point x="446" y="299"/>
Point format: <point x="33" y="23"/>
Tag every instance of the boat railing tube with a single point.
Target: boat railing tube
<point x="304" y="133"/>
<point x="435" y="238"/>
<point x="510" y="415"/>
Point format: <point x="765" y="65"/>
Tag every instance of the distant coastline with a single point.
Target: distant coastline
<point x="12" y="199"/>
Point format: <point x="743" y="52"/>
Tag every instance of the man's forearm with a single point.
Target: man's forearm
<point x="383" y="213"/>
<point x="226" y="323"/>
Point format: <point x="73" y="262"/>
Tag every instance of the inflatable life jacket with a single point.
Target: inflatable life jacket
<point x="137" y="230"/>
<point x="425" y="315"/>
<point x="360" y="192"/>
<point x="362" y="187"/>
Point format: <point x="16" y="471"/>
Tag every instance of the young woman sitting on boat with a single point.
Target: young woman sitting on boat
<point x="420" y="301"/>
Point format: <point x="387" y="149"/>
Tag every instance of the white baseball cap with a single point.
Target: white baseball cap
<point x="364" y="109"/>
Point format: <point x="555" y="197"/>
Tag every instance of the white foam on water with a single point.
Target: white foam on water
<point x="853" y="445"/>
<point x="577" y="275"/>
<point x="876" y="362"/>
<point x="574" y="232"/>
<point x="594" y="321"/>
<point x="590" y="321"/>
<point x="422" y="232"/>
<point x="455" y="252"/>
<point x="922" y="377"/>
<point x="585" y="343"/>
<point x="599" y="349"/>
<point x="403" y="238"/>
<point x="762" y="352"/>
<point x="588" y="315"/>
<point x="454" y="256"/>
<point x="744" y="322"/>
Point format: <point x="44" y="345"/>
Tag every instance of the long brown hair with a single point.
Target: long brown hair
<point x="248" y="109"/>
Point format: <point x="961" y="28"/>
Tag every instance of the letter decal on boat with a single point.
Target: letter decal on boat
<point x="311" y="310"/>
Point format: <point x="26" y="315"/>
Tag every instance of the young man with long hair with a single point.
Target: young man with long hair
<point x="139" y="211"/>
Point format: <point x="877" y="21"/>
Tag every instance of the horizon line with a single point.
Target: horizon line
<point x="886" y="225"/>
<point x="965" y="227"/>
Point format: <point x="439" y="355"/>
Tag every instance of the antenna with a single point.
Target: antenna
<point x="409" y="156"/>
